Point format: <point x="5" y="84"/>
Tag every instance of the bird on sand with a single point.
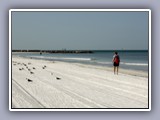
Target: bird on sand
<point x="31" y="72"/>
<point x="58" y="78"/>
<point x="29" y="80"/>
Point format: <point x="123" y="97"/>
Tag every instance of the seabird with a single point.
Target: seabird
<point x="44" y="66"/>
<point x="29" y="80"/>
<point x="58" y="78"/>
<point x="31" y="72"/>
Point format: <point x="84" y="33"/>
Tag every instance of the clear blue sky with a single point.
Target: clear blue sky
<point x="80" y="30"/>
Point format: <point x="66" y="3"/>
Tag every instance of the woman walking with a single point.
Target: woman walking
<point x="116" y="61"/>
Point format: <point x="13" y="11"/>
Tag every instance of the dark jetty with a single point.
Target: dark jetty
<point x="55" y="51"/>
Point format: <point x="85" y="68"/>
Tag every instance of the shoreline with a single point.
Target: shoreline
<point x="108" y="68"/>
<point x="121" y="70"/>
<point x="55" y="84"/>
<point x="97" y="59"/>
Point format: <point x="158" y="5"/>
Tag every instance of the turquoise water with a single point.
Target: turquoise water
<point x="136" y="60"/>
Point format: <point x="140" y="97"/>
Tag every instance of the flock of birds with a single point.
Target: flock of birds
<point x="30" y="69"/>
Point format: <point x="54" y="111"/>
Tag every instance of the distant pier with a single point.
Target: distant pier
<point x="55" y="51"/>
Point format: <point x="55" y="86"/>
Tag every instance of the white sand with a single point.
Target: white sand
<point x="80" y="86"/>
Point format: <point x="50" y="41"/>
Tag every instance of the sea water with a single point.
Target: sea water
<point x="134" y="60"/>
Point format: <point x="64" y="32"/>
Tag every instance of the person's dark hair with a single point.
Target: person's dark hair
<point x="116" y="53"/>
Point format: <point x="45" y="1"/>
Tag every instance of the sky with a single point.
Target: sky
<point x="79" y="30"/>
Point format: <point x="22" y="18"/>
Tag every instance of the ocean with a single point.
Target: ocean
<point x="133" y="60"/>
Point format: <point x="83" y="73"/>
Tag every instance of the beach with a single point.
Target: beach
<point x="55" y="84"/>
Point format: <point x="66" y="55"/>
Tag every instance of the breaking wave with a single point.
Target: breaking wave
<point x="135" y="64"/>
<point x="61" y="58"/>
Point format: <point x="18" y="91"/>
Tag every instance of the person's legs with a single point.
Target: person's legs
<point x="117" y="70"/>
<point x="114" y="69"/>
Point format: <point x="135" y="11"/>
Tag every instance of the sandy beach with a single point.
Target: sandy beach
<point x="54" y="84"/>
